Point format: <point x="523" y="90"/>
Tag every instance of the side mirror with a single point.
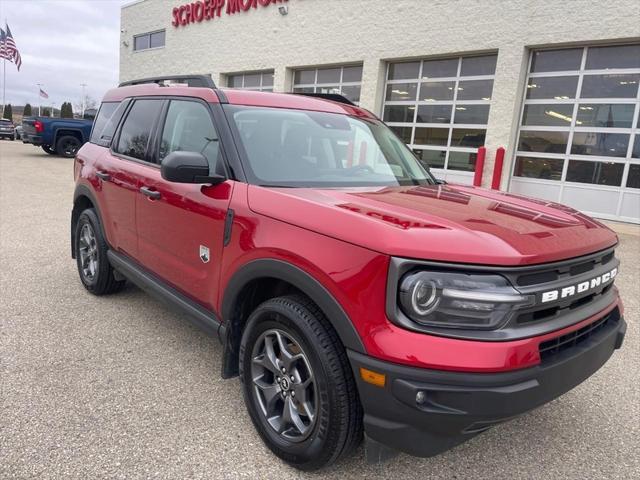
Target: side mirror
<point x="440" y="182"/>
<point x="188" y="167"/>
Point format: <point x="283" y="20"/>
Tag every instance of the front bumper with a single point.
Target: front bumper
<point x="456" y="406"/>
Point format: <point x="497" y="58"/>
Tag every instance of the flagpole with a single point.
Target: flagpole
<point x="4" y="78"/>
<point x="39" y="97"/>
<point x="4" y="83"/>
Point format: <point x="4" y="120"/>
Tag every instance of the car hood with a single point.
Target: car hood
<point x="447" y="223"/>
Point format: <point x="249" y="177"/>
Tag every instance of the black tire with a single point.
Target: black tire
<point x="68" y="146"/>
<point x="102" y="281"/>
<point x="337" y="428"/>
<point x="49" y="150"/>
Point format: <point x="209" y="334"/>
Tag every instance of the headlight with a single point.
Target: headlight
<point x="458" y="300"/>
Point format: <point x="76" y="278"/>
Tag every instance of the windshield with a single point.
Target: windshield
<point x="299" y="148"/>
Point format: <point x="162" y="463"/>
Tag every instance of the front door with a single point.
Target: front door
<point x="181" y="226"/>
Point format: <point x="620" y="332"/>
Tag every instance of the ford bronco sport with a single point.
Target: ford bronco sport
<point x="354" y="294"/>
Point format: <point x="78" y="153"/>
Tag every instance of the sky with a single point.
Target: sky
<point x="63" y="43"/>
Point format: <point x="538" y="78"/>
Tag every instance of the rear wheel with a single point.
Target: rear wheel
<point x="67" y="146"/>
<point x="298" y="385"/>
<point x="48" y="149"/>
<point x="96" y="273"/>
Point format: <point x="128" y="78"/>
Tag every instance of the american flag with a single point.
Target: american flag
<point x="44" y="94"/>
<point x="11" y="49"/>
<point x="4" y="54"/>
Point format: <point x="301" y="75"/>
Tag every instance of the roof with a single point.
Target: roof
<point x="238" y="97"/>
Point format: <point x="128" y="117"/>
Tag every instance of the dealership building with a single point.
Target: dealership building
<point x="554" y="85"/>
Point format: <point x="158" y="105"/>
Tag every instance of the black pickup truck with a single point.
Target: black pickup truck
<point x="61" y="136"/>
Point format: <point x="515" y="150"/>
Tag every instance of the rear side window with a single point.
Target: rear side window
<point x="189" y="128"/>
<point x="107" y="121"/>
<point x="136" y="129"/>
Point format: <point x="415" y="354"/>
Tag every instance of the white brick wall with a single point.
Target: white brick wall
<point x="321" y="32"/>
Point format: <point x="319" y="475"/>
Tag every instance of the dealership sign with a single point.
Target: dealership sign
<point x="204" y="10"/>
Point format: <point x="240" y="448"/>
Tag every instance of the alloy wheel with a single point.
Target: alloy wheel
<point x="284" y="385"/>
<point x="88" y="249"/>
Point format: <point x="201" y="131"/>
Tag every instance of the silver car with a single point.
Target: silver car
<point x="7" y="129"/>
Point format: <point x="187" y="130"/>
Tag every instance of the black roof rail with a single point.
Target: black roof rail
<point x="191" y="80"/>
<point x="336" y="97"/>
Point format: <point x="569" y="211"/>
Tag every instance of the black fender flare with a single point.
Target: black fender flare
<point x="56" y="134"/>
<point x="303" y="281"/>
<point x="84" y="191"/>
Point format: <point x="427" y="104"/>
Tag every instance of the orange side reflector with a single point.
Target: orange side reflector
<point x="374" y="378"/>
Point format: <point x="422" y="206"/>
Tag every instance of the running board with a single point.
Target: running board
<point x="198" y="315"/>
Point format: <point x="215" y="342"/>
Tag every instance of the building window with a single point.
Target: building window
<point x="440" y="108"/>
<point x="579" y="129"/>
<point x="258" y="81"/>
<point x="149" y="40"/>
<point x="344" y="80"/>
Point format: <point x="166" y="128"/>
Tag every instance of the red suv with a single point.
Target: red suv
<point x="353" y="293"/>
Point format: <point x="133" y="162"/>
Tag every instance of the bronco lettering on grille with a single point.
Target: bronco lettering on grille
<point x="581" y="287"/>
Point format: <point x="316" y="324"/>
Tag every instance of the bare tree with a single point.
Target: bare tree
<point x="89" y="102"/>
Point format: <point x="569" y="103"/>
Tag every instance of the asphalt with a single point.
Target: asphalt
<point x="119" y="387"/>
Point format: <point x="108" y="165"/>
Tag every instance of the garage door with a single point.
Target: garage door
<point x="578" y="140"/>
<point x="440" y="108"/>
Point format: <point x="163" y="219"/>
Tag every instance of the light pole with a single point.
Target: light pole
<point x="40" y="85"/>
<point x="83" y="85"/>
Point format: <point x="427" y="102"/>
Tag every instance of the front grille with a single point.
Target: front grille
<point x="570" y="269"/>
<point x="553" y="347"/>
<point x="536" y="280"/>
<point x="552" y="312"/>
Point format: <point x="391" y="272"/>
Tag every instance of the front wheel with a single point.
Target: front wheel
<point x="48" y="149"/>
<point x="68" y="146"/>
<point x="298" y="385"/>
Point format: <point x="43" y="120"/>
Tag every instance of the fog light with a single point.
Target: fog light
<point x="421" y="397"/>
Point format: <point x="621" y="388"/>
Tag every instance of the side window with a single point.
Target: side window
<point x="136" y="129"/>
<point x="107" y="121"/>
<point x="189" y="128"/>
<point x="105" y="113"/>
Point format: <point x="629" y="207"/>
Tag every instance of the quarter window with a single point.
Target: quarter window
<point x="441" y="107"/>
<point x="102" y="134"/>
<point x="343" y="80"/>
<point x="188" y="128"/>
<point x="104" y="114"/>
<point x="136" y="130"/>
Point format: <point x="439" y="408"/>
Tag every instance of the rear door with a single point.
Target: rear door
<point x="119" y="171"/>
<point x="181" y="226"/>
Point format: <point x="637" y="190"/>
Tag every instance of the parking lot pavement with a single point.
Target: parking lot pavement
<point x="119" y="387"/>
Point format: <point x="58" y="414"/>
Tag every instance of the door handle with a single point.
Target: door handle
<point x="152" y="194"/>
<point x="103" y="176"/>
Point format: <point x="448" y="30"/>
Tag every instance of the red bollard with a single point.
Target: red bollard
<point x="497" y="169"/>
<point x="477" y="176"/>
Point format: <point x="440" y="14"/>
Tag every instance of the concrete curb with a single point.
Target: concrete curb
<point x="623" y="228"/>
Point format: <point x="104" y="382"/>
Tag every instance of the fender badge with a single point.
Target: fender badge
<point x="204" y="254"/>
